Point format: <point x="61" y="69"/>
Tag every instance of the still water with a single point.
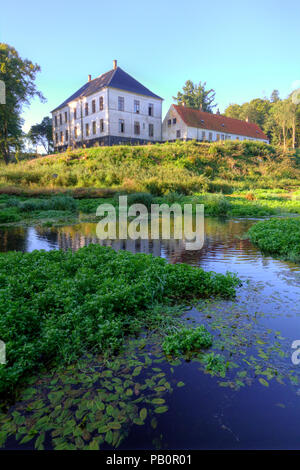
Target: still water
<point x="257" y="404"/>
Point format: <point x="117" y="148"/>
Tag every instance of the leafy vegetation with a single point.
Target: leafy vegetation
<point x="279" y="237"/>
<point x="56" y="305"/>
<point x="187" y="340"/>
<point x="183" y="167"/>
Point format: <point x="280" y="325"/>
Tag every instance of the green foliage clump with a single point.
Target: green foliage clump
<point x="187" y="340"/>
<point x="9" y="215"/>
<point x="140" y="198"/>
<point x="280" y="237"/>
<point x="215" y="364"/>
<point x="56" y="305"/>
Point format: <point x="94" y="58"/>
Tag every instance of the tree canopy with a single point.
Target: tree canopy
<point x="19" y="77"/>
<point x="279" y="119"/>
<point x="41" y="134"/>
<point x="196" y="96"/>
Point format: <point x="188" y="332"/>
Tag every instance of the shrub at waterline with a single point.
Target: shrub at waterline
<point x="279" y="237"/>
<point x="55" y="306"/>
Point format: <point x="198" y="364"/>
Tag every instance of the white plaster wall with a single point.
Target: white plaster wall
<point x="169" y="132"/>
<point x="129" y="116"/>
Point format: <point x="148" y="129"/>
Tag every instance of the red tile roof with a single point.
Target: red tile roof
<point x="216" y="122"/>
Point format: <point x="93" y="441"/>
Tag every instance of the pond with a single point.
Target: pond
<point x="256" y="405"/>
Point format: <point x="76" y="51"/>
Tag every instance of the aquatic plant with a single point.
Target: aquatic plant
<point x="186" y="340"/>
<point x="280" y="237"/>
<point x="55" y="306"/>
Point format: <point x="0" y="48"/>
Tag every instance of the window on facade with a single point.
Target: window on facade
<point x="60" y="119"/>
<point x="61" y="137"/>
<point x="56" y="138"/>
<point x="169" y="122"/>
<point x="218" y="136"/>
<point x="203" y="135"/>
<point x="136" y="106"/>
<point x="86" y="109"/>
<point x="137" y="129"/>
<point x="151" y="130"/>
<point x="178" y="134"/>
<point x="75" y="116"/>
<point x="75" y="132"/>
<point x="174" y="120"/>
<point x="55" y="121"/>
<point x="237" y="138"/>
<point x="87" y="130"/>
<point x="94" y="127"/>
<point x="210" y="136"/>
<point x="120" y="103"/>
<point x="101" y="103"/>
<point x="121" y="126"/>
<point x="101" y="125"/>
<point x="222" y="137"/>
<point x="67" y="136"/>
<point x="150" y="109"/>
<point x="66" y="116"/>
<point x="93" y="106"/>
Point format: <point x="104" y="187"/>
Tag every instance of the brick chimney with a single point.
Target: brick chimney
<point x="89" y="78"/>
<point x="115" y="64"/>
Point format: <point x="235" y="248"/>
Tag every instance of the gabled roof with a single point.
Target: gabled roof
<point x="115" y="78"/>
<point x="216" y="122"/>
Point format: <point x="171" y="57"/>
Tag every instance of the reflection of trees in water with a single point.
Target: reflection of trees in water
<point x="13" y="239"/>
<point x="221" y="241"/>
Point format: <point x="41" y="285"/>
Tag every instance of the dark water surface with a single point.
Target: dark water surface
<point x="257" y="403"/>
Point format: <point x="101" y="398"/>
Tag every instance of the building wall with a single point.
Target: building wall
<point x="169" y="132"/>
<point x="129" y="116"/>
<point x="110" y="116"/>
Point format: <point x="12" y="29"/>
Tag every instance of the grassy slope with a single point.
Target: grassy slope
<point x="186" y="168"/>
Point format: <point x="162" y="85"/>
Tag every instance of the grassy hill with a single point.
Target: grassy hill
<point x="182" y="167"/>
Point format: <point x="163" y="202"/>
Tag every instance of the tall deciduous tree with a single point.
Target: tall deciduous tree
<point x="18" y="75"/>
<point x="196" y="96"/>
<point x="41" y="134"/>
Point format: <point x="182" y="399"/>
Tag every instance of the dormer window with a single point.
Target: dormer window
<point x="174" y="120"/>
<point x="169" y="122"/>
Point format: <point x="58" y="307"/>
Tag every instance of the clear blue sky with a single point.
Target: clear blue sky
<point x="243" y="49"/>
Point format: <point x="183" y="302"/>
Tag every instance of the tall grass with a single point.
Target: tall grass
<point x="181" y="167"/>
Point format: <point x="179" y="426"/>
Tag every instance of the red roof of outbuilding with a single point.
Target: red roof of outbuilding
<point x="216" y="122"/>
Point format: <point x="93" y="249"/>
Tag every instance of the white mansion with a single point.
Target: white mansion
<point x="114" y="108"/>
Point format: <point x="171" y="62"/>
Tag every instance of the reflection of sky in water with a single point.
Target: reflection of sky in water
<point x="203" y="414"/>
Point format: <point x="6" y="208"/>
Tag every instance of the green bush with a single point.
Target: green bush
<point x="140" y="198"/>
<point x="9" y="215"/>
<point x="56" y="305"/>
<point x="187" y="340"/>
<point x="280" y="237"/>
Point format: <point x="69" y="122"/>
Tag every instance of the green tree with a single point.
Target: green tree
<point x="18" y="75"/>
<point x="274" y="96"/>
<point x="196" y="96"/>
<point x="41" y="134"/>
